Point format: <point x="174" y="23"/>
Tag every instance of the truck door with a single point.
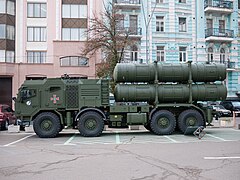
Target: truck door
<point x="54" y="96"/>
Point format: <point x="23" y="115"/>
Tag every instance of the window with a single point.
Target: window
<point x="239" y="28"/>
<point x="182" y="25"/>
<point x="10" y="32"/>
<point x="10" y="56"/>
<point x="36" y="57"/>
<point x="11" y="8"/>
<point x="182" y="54"/>
<point x="222" y="55"/>
<point x="7" y="56"/>
<point x="160" y="53"/>
<point x="133" y="20"/>
<point x="159" y="1"/>
<point x="3" y="6"/>
<point x="73" y="61"/>
<point x="159" y="23"/>
<point x="2" y="31"/>
<point x="182" y="1"/>
<point x="221" y="26"/>
<point x="2" y="55"/>
<point x="209" y="23"/>
<point x="37" y="34"/>
<point x="134" y="53"/>
<point x="210" y="54"/>
<point x="120" y="21"/>
<point x="74" y="11"/>
<point x="74" y="34"/>
<point x="37" y="10"/>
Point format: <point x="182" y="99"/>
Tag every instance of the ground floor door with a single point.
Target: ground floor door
<point x="6" y="90"/>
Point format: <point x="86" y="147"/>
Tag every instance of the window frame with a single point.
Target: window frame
<point x="182" y="27"/>
<point x="160" y="53"/>
<point x="42" y="36"/>
<point x="42" y="57"/>
<point x="182" y="54"/>
<point x="69" y="61"/>
<point x="160" y="23"/>
<point x="34" y="5"/>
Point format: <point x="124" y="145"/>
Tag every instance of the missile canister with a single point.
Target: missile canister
<point x="169" y="72"/>
<point x="167" y="93"/>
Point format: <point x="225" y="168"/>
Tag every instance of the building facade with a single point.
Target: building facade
<point x="7" y="49"/>
<point x="50" y="36"/>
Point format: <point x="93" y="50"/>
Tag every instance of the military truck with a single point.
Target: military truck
<point x="161" y="96"/>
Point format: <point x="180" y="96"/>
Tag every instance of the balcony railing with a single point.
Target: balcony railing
<point x="132" y="31"/>
<point x="127" y="1"/>
<point x="219" y="32"/>
<point x="218" y="4"/>
<point x="128" y="4"/>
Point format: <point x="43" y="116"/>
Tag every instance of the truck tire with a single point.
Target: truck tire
<point x="163" y="122"/>
<point x="189" y="117"/>
<point x="47" y="125"/>
<point x="90" y="124"/>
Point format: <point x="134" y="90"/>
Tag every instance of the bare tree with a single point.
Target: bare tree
<point x="106" y="33"/>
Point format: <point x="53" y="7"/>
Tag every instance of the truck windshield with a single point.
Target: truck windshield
<point x="27" y="93"/>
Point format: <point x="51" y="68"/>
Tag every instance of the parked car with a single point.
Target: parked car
<point x="221" y="111"/>
<point x="7" y="116"/>
<point x="231" y="105"/>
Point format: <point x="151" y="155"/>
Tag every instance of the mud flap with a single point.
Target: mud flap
<point x="190" y="130"/>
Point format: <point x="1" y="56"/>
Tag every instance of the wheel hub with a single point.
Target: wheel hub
<point x="90" y="124"/>
<point x="163" y="122"/>
<point x="46" y="125"/>
<point x="191" y="121"/>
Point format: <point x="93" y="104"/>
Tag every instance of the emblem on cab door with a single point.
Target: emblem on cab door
<point x="54" y="99"/>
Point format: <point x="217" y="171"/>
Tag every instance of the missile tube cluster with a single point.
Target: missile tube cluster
<point x="169" y="83"/>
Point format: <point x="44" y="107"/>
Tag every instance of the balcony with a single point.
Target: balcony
<point x="218" y="6"/>
<point x="128" y="4"/>
<point x="221" y="35"/>
<point x="133" y="32"/>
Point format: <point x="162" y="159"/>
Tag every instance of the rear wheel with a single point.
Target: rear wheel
<point x="47" y="125"/>
<point x="163" y="122"/>
<point x="189" y="118"/>
<point x="90" y="124"/>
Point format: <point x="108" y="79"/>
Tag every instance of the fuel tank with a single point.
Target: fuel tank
<point x="169" y="93"/>
<point x="169" y="72"/>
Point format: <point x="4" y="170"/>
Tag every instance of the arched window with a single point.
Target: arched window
<point x="222" y="55"/>
<point x="73" y="61"/>
<point x="210" y="54"/>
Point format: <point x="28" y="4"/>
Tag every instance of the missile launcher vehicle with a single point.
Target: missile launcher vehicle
<point x="161" y="96"/>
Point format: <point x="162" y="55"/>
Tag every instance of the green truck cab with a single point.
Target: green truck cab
<point x="161" y="101"/>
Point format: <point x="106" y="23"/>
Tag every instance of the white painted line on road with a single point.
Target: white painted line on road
<point x="117" y="138"/>
<point x="216" y="137"/>
<point x="6" y="145"/>
<point x="219" y="158"/>
<point x="68" y="142"/>
<point x="172" y="140"/>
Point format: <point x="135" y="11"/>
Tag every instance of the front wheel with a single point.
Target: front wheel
<point x="91" y="124"/>
<point x="47" y="125"/>
<point x="163" y="122"/>
<point x="189" y="118"/>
